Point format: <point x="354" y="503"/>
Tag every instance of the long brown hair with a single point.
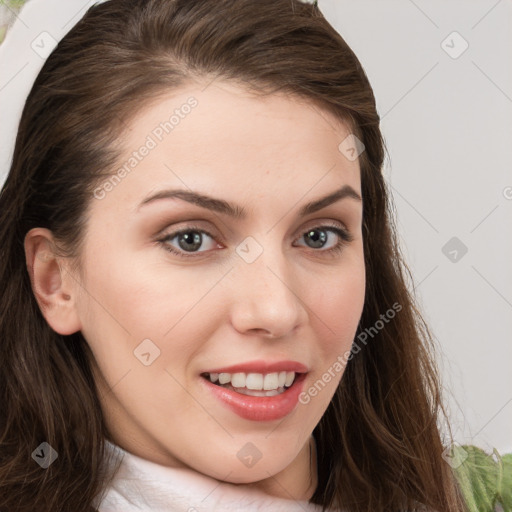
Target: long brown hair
<point x="379" y="444"/>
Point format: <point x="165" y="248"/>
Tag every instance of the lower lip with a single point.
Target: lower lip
<point x="259" y="408"/>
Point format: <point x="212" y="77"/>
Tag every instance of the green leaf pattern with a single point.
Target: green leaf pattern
<point x="485" y="479"/>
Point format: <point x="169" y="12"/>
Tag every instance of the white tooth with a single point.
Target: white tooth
<point x="238" y="380"/>
<point x="254" y="381"/>
<point x="289" y="378"/>
<point x="271" y="381"/>
<point x="224" y="378"/>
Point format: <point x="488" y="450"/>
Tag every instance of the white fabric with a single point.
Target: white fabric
<point x="142" y="485"/>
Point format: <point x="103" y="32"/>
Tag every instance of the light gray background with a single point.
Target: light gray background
<point x="447" y="123"/>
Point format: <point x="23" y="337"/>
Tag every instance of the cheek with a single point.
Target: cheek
<point x="126" y="302"/>
<point x="338" y="307"/>
<point x="337" y="311"/>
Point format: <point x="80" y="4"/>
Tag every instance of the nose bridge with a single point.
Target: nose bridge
<point x="265" y="295"/>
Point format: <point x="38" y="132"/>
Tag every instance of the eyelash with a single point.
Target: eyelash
<point x="344" y="235"/>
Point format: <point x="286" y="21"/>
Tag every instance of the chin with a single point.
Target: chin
<point x="236" y="472"/>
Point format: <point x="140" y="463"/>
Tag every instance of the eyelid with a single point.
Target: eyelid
<point x="315" y="223"/>
<point x="191" y="225"/>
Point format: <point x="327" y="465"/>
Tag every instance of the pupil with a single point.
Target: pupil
<point x="319" y="240"/>
<point x="194" y="240"/>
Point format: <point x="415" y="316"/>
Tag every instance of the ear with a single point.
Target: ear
<point x="53" y="284"/>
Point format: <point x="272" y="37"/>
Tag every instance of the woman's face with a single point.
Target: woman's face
<point x="251" y="291"/>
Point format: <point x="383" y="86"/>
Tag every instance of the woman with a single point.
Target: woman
<point x="202" y="294"/>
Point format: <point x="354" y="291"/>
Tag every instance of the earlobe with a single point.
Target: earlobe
<point x="52" y="284"/>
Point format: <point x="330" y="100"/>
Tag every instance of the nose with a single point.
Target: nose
<point x="266" y="297"/>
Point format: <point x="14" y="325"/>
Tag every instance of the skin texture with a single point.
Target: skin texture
<point x="271" y="155"/>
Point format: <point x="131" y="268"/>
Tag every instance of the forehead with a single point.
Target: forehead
<point x="225" y="140"/>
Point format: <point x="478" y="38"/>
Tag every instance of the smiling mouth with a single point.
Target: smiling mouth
<point x="254" y="384"/>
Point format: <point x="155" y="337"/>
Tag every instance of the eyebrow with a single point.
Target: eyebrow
<point x="236" y="211"/>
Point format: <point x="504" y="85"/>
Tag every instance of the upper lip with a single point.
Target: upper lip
<point x="262" y="367"/>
